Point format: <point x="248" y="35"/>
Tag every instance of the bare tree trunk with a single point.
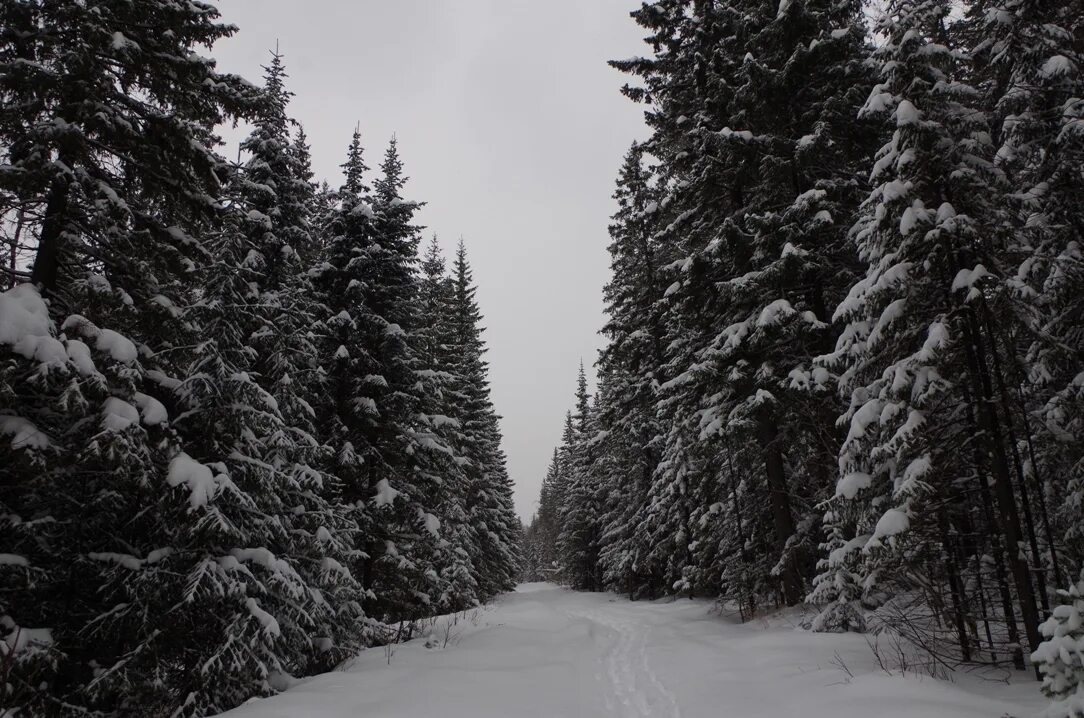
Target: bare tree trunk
<point x="955" y="585"/>
<point x="742" y="557"/>
<point x="12" y="259"/>
<point x="995" y="538"/>
<point x="782" y="518"/>
<point x="990" y="423"/>
<point x="1029" y="523"/>
<point x="1040" y="489"/>
<point x="46" y="270"/>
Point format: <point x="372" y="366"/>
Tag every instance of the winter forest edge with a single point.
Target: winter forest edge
<point x="250" y="430"/>
<point x="245" y="416"/>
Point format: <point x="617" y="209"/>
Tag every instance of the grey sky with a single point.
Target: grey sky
<point x="511" y="127"/>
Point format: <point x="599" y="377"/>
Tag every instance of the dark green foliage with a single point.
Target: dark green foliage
<point x="230" y="408"/>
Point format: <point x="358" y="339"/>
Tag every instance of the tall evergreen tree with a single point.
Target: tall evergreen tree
<point x="579" y="538"/>
<point x="489" y="500"/>
<point x="916" y="348"/>
<point x="632" y="361"/>
<point x="434" y="342"/>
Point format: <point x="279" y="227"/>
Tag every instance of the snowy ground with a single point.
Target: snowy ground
<point x="547" y="652"/>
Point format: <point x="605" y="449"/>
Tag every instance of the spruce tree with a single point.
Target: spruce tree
<point x="1032" y="65"/>
<point x="346" y="410"/>
<point x="579" y="538"/>
<point x="434" y="346"/>
<point x="489" y="493"/>
<point x="632" y="362"/>
<point x="1060" y="657"/>
<point x="916" y="351"/>
<point x="122" y="178"/>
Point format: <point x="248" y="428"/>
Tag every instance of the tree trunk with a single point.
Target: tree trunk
<point x="955" y="585"/>
<point x="46" y="271"/>
<point x="990" y="424"/>
<point x="782" y="518"/>
<point x="12" y="259"/>
<point x="1018" y="465"/>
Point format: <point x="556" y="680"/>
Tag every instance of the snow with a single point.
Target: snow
<point x="908" y="221"/>
<point x="120" y="41"/>
<point x="966" y="278"/>
<point x="270" y="625"/>
<point x="849" y="486"/>
<point x="945" y="212"/>
<point x="202" y="484"/>
<point x="116" y="345"/>
<point x="23" y="313"/>
<point x="166" y="382"/>
<point x="893" y="190"/>
<point x="892" y="522"/>
<point x="121" y="559"/>
<point x="385" y="494"/>
<point x="19" y="638"/>
<point x="25" y="325"/>
<point x="154" y="413"/>
<point x="1057" y="65"/>
<point x="79" y="355"/>
<point x="879" y="101"/>
<point x="363" y="210"/>
<point x="24" y="434"/>
<point x="774" y="313"/>
<point x="45" y="350"/>
<point x="544" y="651"/>
<point x="118" y="415"/>
<point x="743" y="135"/>
<point x="432" y="524"/>
<point x="906" y="113"/>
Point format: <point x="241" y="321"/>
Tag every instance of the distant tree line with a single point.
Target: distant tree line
<point x="845" y="334"/>
<point x="245" y="429"/>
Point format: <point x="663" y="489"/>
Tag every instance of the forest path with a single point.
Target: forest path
<point x="547" y="652"/>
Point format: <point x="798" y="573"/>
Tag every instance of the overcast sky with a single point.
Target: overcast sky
<point x="511" y="127"/>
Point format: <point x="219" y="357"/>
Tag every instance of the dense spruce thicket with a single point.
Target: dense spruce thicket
<point x="245" y="430"/>
<point x="845" y="348"/>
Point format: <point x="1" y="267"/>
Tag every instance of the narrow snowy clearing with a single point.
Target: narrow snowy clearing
<point x="547" y="652"/>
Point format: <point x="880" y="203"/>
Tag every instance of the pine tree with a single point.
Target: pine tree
<point x="632" y="361"/>
<point x="916" y="350"/>
<point x="489" y="494"/>
<point x="253" y="554"/>
<point x="1060" y="657"/>
<point x="368" y="287"/>
<point x="434" y="342"/>
<point x="579" y="539"/>
<point x="754" y="201"/>
<point x="346" y="410"/>
<point x="1033" y="75"/>
<point x="121" y="176"/>
<point x="292" y="606"/>
<point x="73" y="414"/>
<point x="547" y="521"/>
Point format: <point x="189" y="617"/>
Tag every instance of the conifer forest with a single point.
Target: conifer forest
<point x="248" y="441"/>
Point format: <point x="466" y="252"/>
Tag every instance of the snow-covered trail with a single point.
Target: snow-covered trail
<point x="546" y="652"/>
